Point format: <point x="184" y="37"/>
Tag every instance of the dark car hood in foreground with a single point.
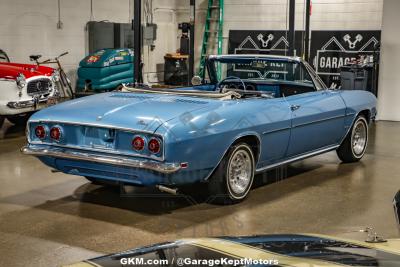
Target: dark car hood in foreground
<point x="285" y="250"/>
<point x="125" y="110"/>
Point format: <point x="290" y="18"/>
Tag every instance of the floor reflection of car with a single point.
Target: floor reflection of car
<point x="263" y="112"/>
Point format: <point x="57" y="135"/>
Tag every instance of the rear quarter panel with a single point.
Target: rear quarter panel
<point x="202" y="138"/>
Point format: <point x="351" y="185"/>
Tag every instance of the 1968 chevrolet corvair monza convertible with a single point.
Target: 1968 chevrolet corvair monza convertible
<point x="265" y="111"/>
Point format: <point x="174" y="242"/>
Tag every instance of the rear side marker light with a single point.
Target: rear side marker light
<point x="138" y="143"/>
<point x="154" y="146"/>
<point x="184" y="165"/>
<point x="40" y="131"/>
<point x="55" y="133"/>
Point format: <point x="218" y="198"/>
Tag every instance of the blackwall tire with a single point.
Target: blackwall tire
<point x="233" y="178"/>
<point x="355" y="144"/>
<point x="19" y="120"/>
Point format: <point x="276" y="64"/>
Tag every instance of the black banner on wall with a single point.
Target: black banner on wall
<point x="332" y="49"/>
<point x="262" y="42"/>
<point x="329" y="49"/>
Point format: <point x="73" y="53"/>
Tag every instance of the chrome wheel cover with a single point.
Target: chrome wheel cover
<point x="359" y="138"/>
<point x="240" y="171"/>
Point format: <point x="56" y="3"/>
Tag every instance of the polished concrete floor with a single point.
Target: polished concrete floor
<point x="50" y="219"/>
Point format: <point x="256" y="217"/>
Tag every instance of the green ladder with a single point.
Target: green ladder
<point x="212" y="33"/>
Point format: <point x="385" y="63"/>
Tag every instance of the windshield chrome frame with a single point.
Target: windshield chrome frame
<point x="212" y="73"/>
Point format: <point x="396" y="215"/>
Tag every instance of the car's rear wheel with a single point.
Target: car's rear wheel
<point x="233" y="178"/>
<point x="19" y="120"/>
<point x="354" y="145"/>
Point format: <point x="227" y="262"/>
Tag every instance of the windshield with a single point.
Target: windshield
<point x="319" y="248"/>
<point x="262" y="69"/>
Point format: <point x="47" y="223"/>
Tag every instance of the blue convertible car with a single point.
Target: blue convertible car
<point x="265" y="111"/>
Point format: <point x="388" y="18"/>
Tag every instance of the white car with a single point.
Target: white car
<point x="25" y="88"/>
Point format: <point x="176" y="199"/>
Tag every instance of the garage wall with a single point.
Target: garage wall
<point x="271" y="14"/>
<point x="29" y="27"/>
<point x="389" y="80"/>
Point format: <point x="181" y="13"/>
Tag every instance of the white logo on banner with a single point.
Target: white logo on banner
<point x="248" y="44"/>
<point x="334" y="55"/>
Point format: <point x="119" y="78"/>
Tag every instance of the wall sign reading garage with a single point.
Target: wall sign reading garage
<point x="332" y="49"/>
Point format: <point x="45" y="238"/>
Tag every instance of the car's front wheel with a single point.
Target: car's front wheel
<point x="354" y="145"/>
<point x="233" y="178"/>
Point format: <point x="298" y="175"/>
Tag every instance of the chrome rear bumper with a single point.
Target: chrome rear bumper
<point x="165" y="168"/>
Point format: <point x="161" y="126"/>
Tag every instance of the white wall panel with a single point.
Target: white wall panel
<point x="389" y="78"/>
<point x="29" y="27"/>
<point x="271" y="14"/>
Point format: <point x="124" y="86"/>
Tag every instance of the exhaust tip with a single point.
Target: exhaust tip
<point x="165" y="189"/>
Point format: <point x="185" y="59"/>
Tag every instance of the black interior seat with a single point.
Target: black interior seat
<point x="34" y="57"/>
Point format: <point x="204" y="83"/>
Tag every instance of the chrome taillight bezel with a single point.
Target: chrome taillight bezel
<point x="45" y="129"/>
<point x="60" y="131"/>
<point x="159" y="145"/>
<point x="144" y="143"/>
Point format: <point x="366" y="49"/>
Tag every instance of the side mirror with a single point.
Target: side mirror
<point x="196" y="80"/>
<point x="396" y="204"/>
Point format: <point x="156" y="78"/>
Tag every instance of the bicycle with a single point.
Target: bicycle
<point x="64" y="82"/>
<point x="4" y="57"/>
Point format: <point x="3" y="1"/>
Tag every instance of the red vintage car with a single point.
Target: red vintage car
<point x="24" y="88"/>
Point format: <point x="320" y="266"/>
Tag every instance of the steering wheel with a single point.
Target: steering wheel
<point x="230" y="78"/>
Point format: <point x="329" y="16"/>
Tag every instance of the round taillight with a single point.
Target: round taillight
<point x="55" y="133"/>
<point x="154" y="146"/>
<point x="40" y="132"/>
<point x="138" y="143"/>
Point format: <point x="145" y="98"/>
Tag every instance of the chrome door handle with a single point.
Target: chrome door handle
<point x="294" y="107"/>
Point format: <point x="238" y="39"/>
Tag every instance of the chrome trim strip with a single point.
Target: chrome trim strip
<point x="277" y="130"/>
<point x="318" y="121"/>
<point x="92" y="149"/>
<point x="25" y="103"/>
<point x="163" y="146"/>
<point x="307" y="155"/>
<point x="165" y="168"/>
<point x="255" y="56"/>
<point x="21" y="104"/>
